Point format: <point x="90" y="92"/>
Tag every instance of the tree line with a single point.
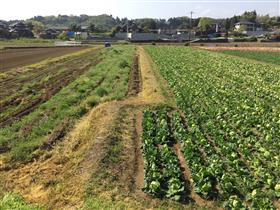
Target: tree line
<point x="107" y="23"/>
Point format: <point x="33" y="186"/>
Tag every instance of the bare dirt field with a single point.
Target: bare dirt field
<point x="11" y="58"/>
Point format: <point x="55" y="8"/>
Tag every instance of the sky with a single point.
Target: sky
<point x="24" y="9"/>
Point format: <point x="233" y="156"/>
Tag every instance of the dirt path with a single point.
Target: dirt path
<point x="188" y="177"/>
<point x="11" y="58"/>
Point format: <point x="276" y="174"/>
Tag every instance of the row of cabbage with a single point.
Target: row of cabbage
<point x="232" y="108"/>
<point x="163" y="176"/>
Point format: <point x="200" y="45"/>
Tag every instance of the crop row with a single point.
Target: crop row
<point x="163" y="176"/>
<point x="231" y="141"/>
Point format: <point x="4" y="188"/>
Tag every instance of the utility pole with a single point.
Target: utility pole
<point x="127" y="26"/>
<point x="190" y="27"/>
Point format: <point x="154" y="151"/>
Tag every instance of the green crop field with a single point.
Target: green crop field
<point x="268" y="57"/>
<point x="229" y="133"/>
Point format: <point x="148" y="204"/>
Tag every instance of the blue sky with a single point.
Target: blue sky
<point x="212" y="8"/>
<point x="19" y="9"/>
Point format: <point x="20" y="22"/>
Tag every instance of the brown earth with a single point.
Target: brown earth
<point x="11" y="58"/>
<point x="134" y="85"/>
<point x="188" y="178"/>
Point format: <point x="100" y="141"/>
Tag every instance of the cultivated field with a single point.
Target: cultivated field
<point x="133" y="127"/>
<point x="11" y="58"/>
<point x="230" y="129"/>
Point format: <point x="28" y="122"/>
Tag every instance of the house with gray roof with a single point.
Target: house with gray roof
<point x="250" y="28"/>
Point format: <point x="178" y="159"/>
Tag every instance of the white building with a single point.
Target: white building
<point x="250" y="28"/>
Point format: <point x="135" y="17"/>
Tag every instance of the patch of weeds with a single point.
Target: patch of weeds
<point x="114" y="153"/>
<point x="29" y="88"/>
<point x="101" y="92"/>
<point x="117" y="51"/>
<point x="82" y="110"/>
<point x="123" y="64"/>
<point x="3" y="75"/>
<point x="47" y="78"/>
<point x="103" y="203"/>
<point x="23" y="151"/>
<point x="14" y="202"/>
<point x="83" y="89"/>
<point x="92" y="101"/>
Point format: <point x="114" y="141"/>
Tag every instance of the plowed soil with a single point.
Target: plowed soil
<point x="41" y="84"/>
<point x="11" y="58"/>
<point x="135" y="78"/>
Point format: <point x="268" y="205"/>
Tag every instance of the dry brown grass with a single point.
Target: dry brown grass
<point x="57" y="179"/>
<point x="255" y="49"/>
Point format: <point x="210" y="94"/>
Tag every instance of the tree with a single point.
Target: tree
<point x="204" y="23"/>
<point x="74" y="27"/>
<point x="148" y="23"/>
<point x="115" y="30"/>
<point x="62" y="36"/>
<point x="4" y="33"/>
<point x="179" y="22"/>
<point x="92" y="27"/>
<point x="250" y="16"/>
<point x="38" y="27"/>
<point x="227" y="25"/>
<point x="265" y="20"/>
<point x="29" y="25"/>
<point x="235" y="19"/>
<point x="242" y="28"/>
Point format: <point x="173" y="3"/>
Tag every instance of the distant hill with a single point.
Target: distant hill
<point x="102" y="22"/>
<point x="105" y="23"/>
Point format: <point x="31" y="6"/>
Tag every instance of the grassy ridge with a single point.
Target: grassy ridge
<point x="106" y="81"/>
<point x="268" y="57"/>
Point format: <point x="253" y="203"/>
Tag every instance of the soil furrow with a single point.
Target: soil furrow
<point x="48" y="90"/>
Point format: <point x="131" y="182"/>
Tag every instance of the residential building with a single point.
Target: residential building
<point x="19" y="29"/>
<point x="250" y="28"/>
<point x="49" y="34"/>
<point x="4" y="30"/>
